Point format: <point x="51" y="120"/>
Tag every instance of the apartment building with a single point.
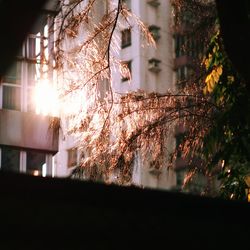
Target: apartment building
<point x="30" y="144"/>
<point x="28" y="140"/>
<point x="151" y="70"/>
<point x="189" y="51"/>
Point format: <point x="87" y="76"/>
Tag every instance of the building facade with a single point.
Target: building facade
<point x="28" y="140"/>
<point x="151" y="70"/>
<point x="29" y="144"/>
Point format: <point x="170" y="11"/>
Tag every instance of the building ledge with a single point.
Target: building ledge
<point x="29" y="131"/>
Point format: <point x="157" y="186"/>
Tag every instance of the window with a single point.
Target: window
<point x="126" y="38"/>
<point x="10" y="159"/>
<point x="13" y="74"/>
<point x="30" y="100"/>
<point x="180" y="176"/>
<point x="127" y="3"/>
<point x="178" y="141"/>
<point x="32" y="74"/>
<point x="72" y="157"/>
<point x="35" y="161"/>
<point x="30" y="162"/>
<point x="11" y="97"/>
<point x="154" y="65"/>
<point x="32" y="78"/>
<point x="154" y="3"/>
<point x="12" y="88"/>
<point x="18" y="84"/>
<point x="155" y="32"/>
<point x="183" y="73"/>
<point x="187" y="45"/>
<point x="36" y="52"/>
<point x="187" y="18"/>
<point x="31" y="48"/>
<point x="126" y="71"/>
<point x="196" y="48"/>
<point x="179" y="45"/>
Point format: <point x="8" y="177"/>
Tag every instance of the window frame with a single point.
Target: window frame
<point x="155" y="32"/>
<point x="129" y="67"/>
<point x="127" y="3"/>
<point x="72" y="157"/>
<point x="126" y="38"/>
<point x="17" y="84"/>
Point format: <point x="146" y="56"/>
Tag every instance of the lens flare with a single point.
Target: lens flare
<point x="46" y="99"/>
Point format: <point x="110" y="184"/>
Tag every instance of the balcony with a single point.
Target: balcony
<point x="183" y="61"/>
<point x="154" y="65"/>
<point x="28" y="131"/>
<point x="155" y="32"/>
<point x="154" y="3"/>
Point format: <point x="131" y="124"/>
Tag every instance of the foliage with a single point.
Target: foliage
<point x="113" y="130"/>
<point x="100" y="119"/>
<point x="224" y="148"/>
<point x="228" y="140"/>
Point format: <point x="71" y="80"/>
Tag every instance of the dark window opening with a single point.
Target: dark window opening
<point x="155" y="32"/>
<point x="10" y="159"/>
<point x="72" y="157"/>
<point x="126" y="38"/>
<point x="126" y="72"/>
<point x="13" y="75"/>
<point x="35" y="162"/>
<point x="154" y="3"/>
<point x="183" y="75"/>
<point x="127" y="3"/>
<point x="11" y="97"/>
<point x="186" y="45"/>
<point x="180" y="176"/>
<point x="154" y="65"/>
<point x="31" y="48"/>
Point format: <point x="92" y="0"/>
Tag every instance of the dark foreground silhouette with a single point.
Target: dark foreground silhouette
<point x="46" y="213"/>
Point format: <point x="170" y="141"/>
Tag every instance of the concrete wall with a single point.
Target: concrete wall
<point x="27" y="130"/>
<point x="142" y="78"/>
<point x="139" y="53"/>
<point x="66" y="142"/>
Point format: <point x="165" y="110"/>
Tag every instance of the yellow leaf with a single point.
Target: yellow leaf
<point x="205" y="90"/>
<point x="219" y="70"/>
<point x="210" y="86"/>
<point x="206" y="63"/>
<point x="216" y="76"/>
<point x="208" y="78"/>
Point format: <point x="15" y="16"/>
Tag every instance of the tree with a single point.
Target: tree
<point x="205" y="104"/>
<point x="225" y="147"/>
<point x="228" y="139"/>
<point x="137" y="118"/>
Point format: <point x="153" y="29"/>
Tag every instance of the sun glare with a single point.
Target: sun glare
<point x="46" y="99"/>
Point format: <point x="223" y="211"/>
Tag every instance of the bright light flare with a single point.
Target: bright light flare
<point x="46" y="99"/>
<point x="36" y="172"/>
